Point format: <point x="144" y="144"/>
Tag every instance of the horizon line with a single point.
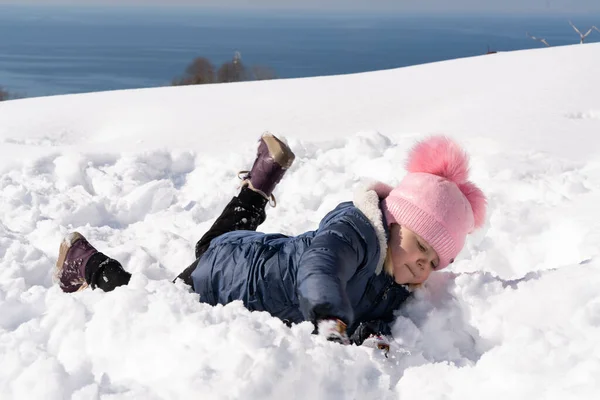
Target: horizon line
<point x="308" y="10"/>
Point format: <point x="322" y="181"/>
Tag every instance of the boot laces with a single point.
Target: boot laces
<point x="243" y="176"/>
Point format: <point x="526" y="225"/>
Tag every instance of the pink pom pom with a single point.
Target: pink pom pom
<point x="440" y="156"/>
<point x="477" y="200"/>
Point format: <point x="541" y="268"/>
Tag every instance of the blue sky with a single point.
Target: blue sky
<point x="508" y="6"/>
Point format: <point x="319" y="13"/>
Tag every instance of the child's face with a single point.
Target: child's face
<point x="412" y="257"/>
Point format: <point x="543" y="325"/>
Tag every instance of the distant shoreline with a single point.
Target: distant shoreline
<point x="48" y="50"/>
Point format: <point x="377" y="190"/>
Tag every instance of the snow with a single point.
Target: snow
<point x="143" y="173"/>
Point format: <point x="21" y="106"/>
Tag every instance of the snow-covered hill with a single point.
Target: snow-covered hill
<point x="143" y="173"/>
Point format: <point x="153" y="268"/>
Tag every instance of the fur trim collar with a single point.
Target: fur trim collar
<point x="366" y="199"/>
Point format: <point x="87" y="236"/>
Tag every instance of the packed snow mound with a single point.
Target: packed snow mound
<point x="516" y="316"/>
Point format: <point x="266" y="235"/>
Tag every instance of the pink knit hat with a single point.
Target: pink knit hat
<point x="435" y="199"/>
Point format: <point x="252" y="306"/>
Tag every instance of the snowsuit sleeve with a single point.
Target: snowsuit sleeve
<point x="338" y="250"/>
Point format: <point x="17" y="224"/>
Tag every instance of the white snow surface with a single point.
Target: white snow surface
<point x="143" y="173"/>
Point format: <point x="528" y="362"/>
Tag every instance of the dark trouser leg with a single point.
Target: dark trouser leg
<point x="246" y="211"/>
<point x="105" y="273"/>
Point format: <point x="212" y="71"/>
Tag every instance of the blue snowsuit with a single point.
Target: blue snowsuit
<point x="332" y="272"/>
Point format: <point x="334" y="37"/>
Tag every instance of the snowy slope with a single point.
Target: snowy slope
<point x="143" y="173"/>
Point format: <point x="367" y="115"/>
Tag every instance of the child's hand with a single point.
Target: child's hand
<point x="333" y="330"/>
<point x="380" y="342"/>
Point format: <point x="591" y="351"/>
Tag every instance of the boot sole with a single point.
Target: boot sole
<point x="281" y="153"/>
<point x="64" y="248"/>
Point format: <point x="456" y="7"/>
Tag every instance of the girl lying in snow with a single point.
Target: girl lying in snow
<point x="349" y="275"/>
